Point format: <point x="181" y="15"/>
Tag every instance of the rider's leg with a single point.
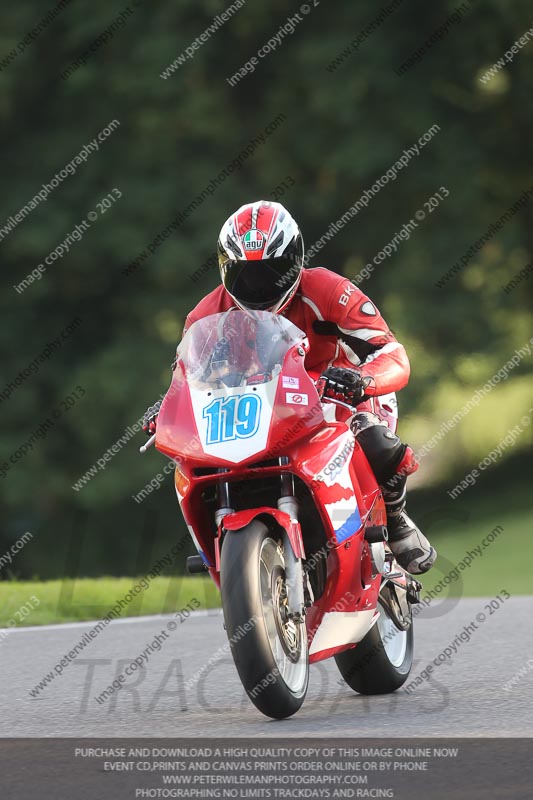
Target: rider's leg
<point x="411" y="548"/>
<point x="392" y="462"/>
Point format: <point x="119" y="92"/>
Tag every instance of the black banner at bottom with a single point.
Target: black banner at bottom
<point x="126" y="769"/>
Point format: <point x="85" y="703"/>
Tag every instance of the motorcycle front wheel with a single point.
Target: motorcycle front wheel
<point x="269" y="648"/>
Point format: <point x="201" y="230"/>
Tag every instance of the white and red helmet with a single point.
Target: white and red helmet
<point x="260" y="256"/>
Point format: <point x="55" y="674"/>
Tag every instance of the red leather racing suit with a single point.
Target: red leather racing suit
<point x="344" y="328"/>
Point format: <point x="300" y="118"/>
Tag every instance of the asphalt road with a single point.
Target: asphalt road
<point x="190" y="686"/>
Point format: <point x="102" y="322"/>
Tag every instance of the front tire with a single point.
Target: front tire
<point x="269" y="649"/>
<point x="381" y="662"/>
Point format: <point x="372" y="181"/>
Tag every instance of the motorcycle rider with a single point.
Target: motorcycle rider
<point x="261" y="261"/>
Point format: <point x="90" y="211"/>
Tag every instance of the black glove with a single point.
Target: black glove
<point x="150" y="418"/>
<point x="346" y="385"/>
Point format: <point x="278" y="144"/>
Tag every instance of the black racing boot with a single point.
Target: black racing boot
<point x="409" y="546"/>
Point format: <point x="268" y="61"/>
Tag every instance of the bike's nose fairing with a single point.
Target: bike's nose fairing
<point x="240" y="383"/>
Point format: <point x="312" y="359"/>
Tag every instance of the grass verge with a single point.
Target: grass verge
<point x="93" y="598"/>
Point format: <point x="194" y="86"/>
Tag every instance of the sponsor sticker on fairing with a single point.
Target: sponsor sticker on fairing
<point x="290" y="383"/>
<point x="297" y="399"/>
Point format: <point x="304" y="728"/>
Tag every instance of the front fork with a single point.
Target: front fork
<point x="294" y="573"/>
<point x="223" y="501"/>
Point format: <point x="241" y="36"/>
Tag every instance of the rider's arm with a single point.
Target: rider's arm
<point x="365" y="334"/>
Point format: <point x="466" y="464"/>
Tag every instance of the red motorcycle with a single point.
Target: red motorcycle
<point x="285" y="513"/>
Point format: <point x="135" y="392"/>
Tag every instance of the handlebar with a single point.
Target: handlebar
<point x="148" y="444"/>
<point x="350" y="408"/>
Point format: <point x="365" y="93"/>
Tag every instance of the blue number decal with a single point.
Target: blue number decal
<point x="233" y="418"/>
<point x="228" y="410"/>
<point x="212" y="412"/>
<point x="248" y="413"/>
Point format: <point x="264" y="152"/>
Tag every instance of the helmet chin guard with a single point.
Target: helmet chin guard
<point x="284" y="302"/>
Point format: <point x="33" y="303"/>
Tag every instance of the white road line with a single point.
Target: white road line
<point x="214" y="612"/>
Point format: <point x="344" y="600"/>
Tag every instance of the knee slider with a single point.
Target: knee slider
<point x="383" y="450"/>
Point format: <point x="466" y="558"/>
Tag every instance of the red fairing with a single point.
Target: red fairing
<point x="176" y="427"/>
<point x="324" y="296"/>
<point x="238" y="520"/>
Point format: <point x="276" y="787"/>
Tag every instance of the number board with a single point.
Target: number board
<point x="233" y="423"/>
<point x="230" y="418"/>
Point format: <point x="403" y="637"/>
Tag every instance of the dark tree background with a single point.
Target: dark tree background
<point x="338" y="131"/>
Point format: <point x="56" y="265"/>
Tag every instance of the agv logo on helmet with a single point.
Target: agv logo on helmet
<point x="254" y="240"/>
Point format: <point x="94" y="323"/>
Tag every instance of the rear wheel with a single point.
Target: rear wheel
<point x="381" y="663"/>
<point x="269" y="648"/>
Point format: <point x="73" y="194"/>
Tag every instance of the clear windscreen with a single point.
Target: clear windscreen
<point x="237" y="348"/>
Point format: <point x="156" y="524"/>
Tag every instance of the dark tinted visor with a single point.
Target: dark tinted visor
<point x="259" y="285"/>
